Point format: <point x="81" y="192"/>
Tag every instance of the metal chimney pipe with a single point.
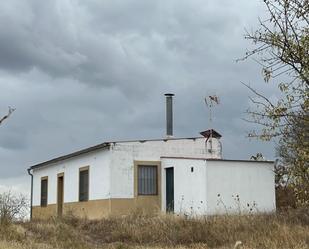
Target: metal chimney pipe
<point x="169" y="114"/>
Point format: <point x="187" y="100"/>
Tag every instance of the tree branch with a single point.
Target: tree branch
<point x="10" y="111"/>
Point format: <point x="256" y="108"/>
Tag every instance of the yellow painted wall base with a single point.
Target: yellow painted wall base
<point x="97" y="209"/>
<point x="44" y="212"/>
<point x="126" y="206"/>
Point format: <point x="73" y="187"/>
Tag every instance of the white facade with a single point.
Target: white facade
<point x="190" y="196"/>
<point x="124" y="154"/>
<point x="243" y="186"/>
<point x="99" y="173"/>
<point x="197" y="180"/>
<point x="205" y="186"/>
<point x="109" y="167"/>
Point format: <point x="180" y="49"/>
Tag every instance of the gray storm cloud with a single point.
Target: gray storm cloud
<point x="84" y="72"/>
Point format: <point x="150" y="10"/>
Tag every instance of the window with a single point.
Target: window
<point x="44" y="190"/>
<point x="84" y="184"/>
<point x="147" y="180"/>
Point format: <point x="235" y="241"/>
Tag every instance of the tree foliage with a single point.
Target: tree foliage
<point x="294" y="151"/>
<point x="282" y="49"/>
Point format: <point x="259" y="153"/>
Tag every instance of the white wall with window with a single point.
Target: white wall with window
<point x="99" y="178"/>
<point x="125" y="153"/>
<point x="201" y="186"/>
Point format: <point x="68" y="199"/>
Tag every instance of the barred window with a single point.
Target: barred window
<point x="83" y="185"/>
<point x="147" y="180"/>
<point x="44" y="190"/>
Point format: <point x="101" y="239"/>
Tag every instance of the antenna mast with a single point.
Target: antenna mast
<point x="211" y="101"/>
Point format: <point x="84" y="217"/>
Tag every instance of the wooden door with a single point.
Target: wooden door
<point x="169" y="189"/>
<point x="60" y="195"/>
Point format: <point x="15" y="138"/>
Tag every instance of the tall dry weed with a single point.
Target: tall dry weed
<point x="139" y="230"/>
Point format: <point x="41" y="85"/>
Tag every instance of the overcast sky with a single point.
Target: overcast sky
<point x="84" y="72"/>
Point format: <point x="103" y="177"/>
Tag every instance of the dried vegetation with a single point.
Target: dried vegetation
<point x="283" y="230"/>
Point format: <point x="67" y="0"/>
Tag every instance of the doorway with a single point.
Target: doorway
<point x="60" y="194"/>
<point x="169" y="189"/>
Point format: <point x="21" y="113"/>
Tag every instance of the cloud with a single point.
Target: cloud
<point x="84" y="72"/>
<point x="126" y="44"/>
<point x="16" y="185"/>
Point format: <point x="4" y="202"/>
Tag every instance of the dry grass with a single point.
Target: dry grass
<point x="286" y="230"/>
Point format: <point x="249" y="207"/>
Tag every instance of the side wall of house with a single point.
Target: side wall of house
<point x="99" y="186"/>
<point x="189" y="185"/>
<point x="240" y="187"/>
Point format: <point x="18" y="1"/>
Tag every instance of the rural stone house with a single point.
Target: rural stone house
<point x="180" y="175"/>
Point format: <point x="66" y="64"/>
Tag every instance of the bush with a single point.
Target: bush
<point x="12" y="207"/>
<point x="285" y="198"/>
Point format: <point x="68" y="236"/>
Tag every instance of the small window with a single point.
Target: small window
<point x="44" y="190"/>
<point x="84" y="185"/>
<point x="147" y="180"/>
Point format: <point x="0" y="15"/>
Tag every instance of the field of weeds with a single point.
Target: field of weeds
<point x="285" y="230"/>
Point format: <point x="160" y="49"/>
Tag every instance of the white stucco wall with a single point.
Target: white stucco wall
<point x="111" y="175"/>
<point x="189" y="187"/>
<point x="220" y="187"/>
<point x="234" y="186"/>
<point x="99" y="177"/>
<point x="124" y="154"/>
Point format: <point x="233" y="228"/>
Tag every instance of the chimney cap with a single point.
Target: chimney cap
<point x="169" y="94"/>
<point x="211" y="132"/>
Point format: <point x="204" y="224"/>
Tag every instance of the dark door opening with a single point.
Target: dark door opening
<point x="169" y="189"/>
<point x="60" y="196"/>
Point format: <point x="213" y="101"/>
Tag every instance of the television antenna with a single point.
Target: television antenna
<point x="211" y="101"/>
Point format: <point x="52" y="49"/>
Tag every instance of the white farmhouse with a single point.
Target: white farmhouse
<point x="180" y="175"/>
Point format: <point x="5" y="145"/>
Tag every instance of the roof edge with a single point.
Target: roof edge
<point x="156" y="139"/>
<point x="70" y="155"/>
<point x="214" y="159"/>
<point x="100" y="146"/>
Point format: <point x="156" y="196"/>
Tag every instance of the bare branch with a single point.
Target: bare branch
<point x="10" y="111"/>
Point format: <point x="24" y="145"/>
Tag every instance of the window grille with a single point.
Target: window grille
<point x="147" y="180"/>
<point x="84" y="185"/>
<point x="44" y="190"/>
